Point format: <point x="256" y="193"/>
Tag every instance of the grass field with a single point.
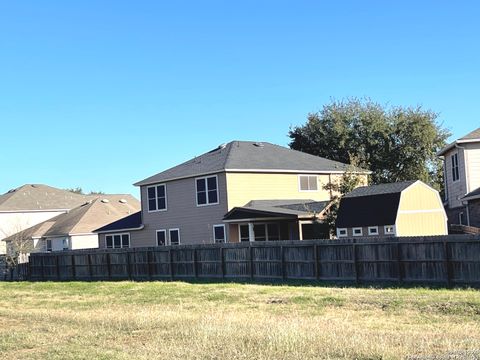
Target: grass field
<point x="126" y="320"/>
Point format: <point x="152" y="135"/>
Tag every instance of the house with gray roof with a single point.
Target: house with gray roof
<point x="239" y="191"/>
<point x="409" y="208"/>
<point x="74" y="229"/>
<point x="461" y="164"/>
<point x="31" y="204"/>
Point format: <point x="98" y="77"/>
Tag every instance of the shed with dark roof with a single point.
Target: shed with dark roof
<point x="410" y="208"/>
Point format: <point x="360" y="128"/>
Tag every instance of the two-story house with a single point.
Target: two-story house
<point x="462" y="179"/>
<point x="240" y="191"/>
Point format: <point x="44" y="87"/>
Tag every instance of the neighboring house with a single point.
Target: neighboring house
<point x="75" y="229"/>
<point x="31" y="204"/>
<point x="461" y="161"/>
<point x="410" y="208"/>
<point x="240" y="191"/>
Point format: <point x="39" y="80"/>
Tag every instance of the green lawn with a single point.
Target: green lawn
<point x="127" y="320"/>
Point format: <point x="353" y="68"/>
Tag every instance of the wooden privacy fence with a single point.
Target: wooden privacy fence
<point x="450" y="260"/>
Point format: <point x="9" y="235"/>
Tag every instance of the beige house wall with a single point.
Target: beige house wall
<point x="472" y="157"/>
<point x="14" y="222"/>
<point x="243" y="187"/>
<point x="455" y="189"/>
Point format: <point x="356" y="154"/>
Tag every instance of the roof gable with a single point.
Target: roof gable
<point x="473" y="136"/>
<point x="248" y="156"/>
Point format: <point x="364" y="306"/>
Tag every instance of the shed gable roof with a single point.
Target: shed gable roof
<point x="248" y="156"/>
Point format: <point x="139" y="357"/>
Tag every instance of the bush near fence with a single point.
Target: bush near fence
<point x="449" y="260"/>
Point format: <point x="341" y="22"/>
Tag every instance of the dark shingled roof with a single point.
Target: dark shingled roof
<point x="472" y="136"/>
<point x="248" y="155"/>
<point x="368" y="210"/>
<point x="380" y="189"/>
<point x="277" y="208"/>
<point x="472" y="194"/>
<point x="132" y="221"/>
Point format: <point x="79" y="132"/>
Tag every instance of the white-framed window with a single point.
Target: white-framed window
<point x="308" y="182"/>
<point x="389" y="229"/>
<point x="357" y="231"/>
<point x="455" y="171"/>
<point x="461" y="218"/>
<point x="161" y="237"/>
<point x="207" y="190"/>
<point x="48" y="245"/>
<point x="174" y="236"/>
<point x="244" y="232"/>
<point x="65" y="244"/>
<point x="157" y="198"/>
<point x="342" y="232"/>
<point x="219" y="233"/>
<point x="373" y="230"/>
<point x="117" y="241"/>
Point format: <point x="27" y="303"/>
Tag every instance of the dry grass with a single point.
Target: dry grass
<point x="126" y="320"/>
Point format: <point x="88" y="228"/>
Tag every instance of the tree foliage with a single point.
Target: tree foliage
<point x="79" y="190"/>
<point x="395" y="143"/>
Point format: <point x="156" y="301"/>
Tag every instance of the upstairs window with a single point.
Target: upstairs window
<point x="49" y="245"/>
<point x="117" y="241"/>
<point x="455" y="172"/>
<point x="207" y="190"/>
<point x="308" y="182"/>
<point x="157" y="198"/>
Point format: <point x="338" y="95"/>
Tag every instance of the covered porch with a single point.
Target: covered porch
<point x="271" y="220"/>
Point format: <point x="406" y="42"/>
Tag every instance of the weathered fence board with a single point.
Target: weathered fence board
<point x="444" y="259"/>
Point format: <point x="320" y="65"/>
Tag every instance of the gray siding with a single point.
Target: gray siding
<point x="473" y="165"/>
<point x="457" y="189"/>
<point x="195" y="222"/>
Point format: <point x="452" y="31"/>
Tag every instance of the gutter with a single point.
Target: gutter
<point x="117" y="230"/>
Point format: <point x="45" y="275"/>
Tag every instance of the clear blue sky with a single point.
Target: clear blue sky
<point x="100" y="94"/>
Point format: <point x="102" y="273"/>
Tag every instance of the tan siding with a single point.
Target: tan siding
<point x="421" y="212"/>
<point x="421" y="224"/>
<point x="195" y="222"/>
<point x="243" y="187"/>
<point x="473" y="165"/>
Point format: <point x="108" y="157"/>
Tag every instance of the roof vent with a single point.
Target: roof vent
<point x="12" y="191"/>
<point x="258" y="144"/>
<point x="222" y="146"/>
<point x="105" y="201"/>
<point x="123" y="201"/>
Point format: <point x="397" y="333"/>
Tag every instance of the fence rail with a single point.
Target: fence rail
<point x="450" y="260"/>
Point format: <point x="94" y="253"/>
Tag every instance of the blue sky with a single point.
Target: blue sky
<point x="100" y="94"/>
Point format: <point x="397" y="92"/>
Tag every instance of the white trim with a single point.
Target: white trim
<point x="170" y="236"/>
<point x="390" y="233"/>
<point x="308" y="182"/>
<point x="239" y="221"/>
<point x="224" y="233"/>
<point x="121" y="241"/>
<point x="355" y="229"/>
<point x="113" y="231"/>
<point x="156" y="236"/>
<point x="370" y="230"/>
<point x="342" y="229"/>
<point x="155" y="186"/>
<point x="206" y="191"/>
<point x="35" y="211"/>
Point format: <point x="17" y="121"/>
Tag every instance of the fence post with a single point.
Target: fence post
<point x="170" y="261"/>
<point x="282" y="254"/>
<point x="399" y="262"/>
<point x="149" y="267"/>
<point x="195" y="271"/>
<point x="89" y="262"/>
<point x="448" y="268"/>
<point x="74" y="271"/>
<point x="109" y="267"/>
<point x="251" y="260"/>
<point x="355" y="262"/>
<point x="58" y="266"/>
<point x="222" y="261"/>
<point x="317" y="265"/>
<point x="43" y="267"/>
<point x="129" y="267"/>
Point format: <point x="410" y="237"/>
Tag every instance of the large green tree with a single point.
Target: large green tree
<point x="396" y="143"/>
